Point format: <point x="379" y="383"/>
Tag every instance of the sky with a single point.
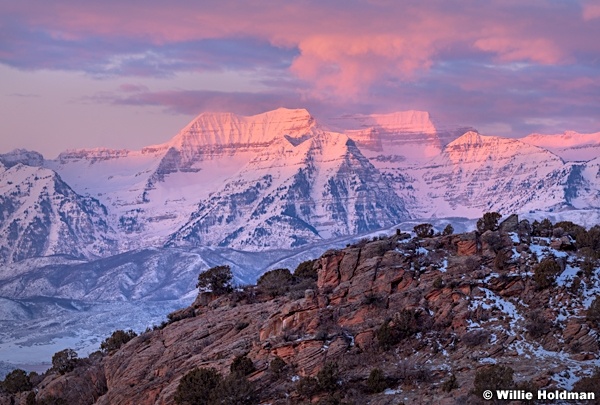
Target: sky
<point x="83" y="74"/>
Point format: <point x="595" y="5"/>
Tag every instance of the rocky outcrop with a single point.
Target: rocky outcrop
<point x="420" y="310"/>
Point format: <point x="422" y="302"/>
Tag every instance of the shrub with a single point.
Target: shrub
<point x="328" y="377"/>
<point x="471" y="263"/>
<point x="494" y="241"/>
<point x="438" y="282"/>
<point x="587" y="267"/>
<point x="64" y="361"/>
<point x="235" y="389"/>
<point x="404" y="325"/>
<point x="386" y="335"/>
<point x="545" y="273"/>
<point x="277" y="365"/>
<point x="493" y="377"/>
<point x="16" y="381"/>
<point x="242" y="365"/>
<point x="305" y="270"/>
<point x="543" y="229"/>
<point x="216" y="279"/>
<point x="275" y="282"/>
<point x="181" y="314"/>
<point x="537" y="325"/>
<point x="448" y="230"/>
<point x="307" y="387"/>
<point x="569" y="228"/>
<point x="489" y="222"/>
<point x="376" y="381"/>
<point x="116" y="340"/>
<point x="593" y="313"/>
<point x="30" y="399"/>
<point x="197" y="387"/>
<point x="424" y="230"/>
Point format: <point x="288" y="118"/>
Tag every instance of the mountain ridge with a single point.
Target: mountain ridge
<point x="429" y="169"/>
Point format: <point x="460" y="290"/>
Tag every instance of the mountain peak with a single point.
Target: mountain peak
<point x="24" y="156"/>
<point x="214" y="129"/>
<point x="470" y="138"/>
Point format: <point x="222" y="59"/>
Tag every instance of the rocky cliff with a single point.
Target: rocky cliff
<point x="428" y="313"/>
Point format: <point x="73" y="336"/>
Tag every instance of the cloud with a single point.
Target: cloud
<point x="506" y="62"/>
<point x="192" y="102"/>
<point x="340" y="49"/>
<point x="591" y="11"/>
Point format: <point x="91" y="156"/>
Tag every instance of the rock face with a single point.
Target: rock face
<point x="420" y="310"/>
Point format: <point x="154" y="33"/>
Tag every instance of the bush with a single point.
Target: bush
<point x="494" y="241"/>
<point x="489" y="222"/>
<point x="16" y="381"/>
<point x="537" y="325"/>
<point x="406" y="324"/>
<point x="569" y="228"/>
<point x="328" y="377"/>
<point x="116" y="340"/>
<point x="305" y="270"/>
<point x="275" y="282"/>
<point x="493" y="377"/>
<point x="376" y="381"/>
<point x="424" y="230"/>
<point x="242" y="365"/>
<point x="64" y="361"/>
<point x="277" y="365"/>
<point x="235" y="389"/>
<point x="448" y="230"/>
<point x="30" y="399"/>
<point x="593" y="313"/>
<point x="307" y="387"/>
<point x="197" y="387"/>
<point x="216" y="279"/>
<point x="587" y="267"/>
<point x="545" y="273"/>
<point x="543" y="229"/>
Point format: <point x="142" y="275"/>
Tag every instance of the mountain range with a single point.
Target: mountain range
<point x="281" y="180"/>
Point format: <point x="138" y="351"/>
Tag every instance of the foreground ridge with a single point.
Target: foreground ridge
<point x="418" y="320"/>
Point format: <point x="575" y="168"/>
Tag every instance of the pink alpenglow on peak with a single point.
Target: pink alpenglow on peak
<point x="228" y="129"/>
<point x="570" y="145"/>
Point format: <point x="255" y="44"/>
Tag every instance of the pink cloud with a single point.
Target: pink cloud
<point x="343" y="48"/>
<point x="591" y="11"/>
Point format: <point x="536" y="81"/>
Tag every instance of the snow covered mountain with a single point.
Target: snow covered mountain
<point x="41" y="215"/>
<point x="153" y="192"/>
<point x="570" y="146"/>
<point x="294" y="192"/>
<point x="477" y="173"/>
<point x="281" y="180"/>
